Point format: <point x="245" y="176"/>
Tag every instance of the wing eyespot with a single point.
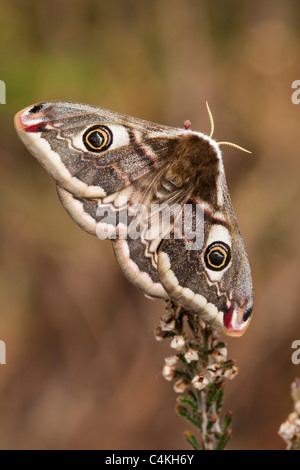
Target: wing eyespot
<point x="97" y="138"/>
<point x="217" y="256"/>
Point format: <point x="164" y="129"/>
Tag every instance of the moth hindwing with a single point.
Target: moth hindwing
<point x="159" y="193"/>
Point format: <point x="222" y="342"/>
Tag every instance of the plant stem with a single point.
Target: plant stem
<point x="200" y="365"/>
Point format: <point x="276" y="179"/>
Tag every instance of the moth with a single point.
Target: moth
<point x="107" y="166"/>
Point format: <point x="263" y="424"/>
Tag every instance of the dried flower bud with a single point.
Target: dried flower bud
<point x="295" y="390"/>
<point x="167" y="326"/>
<point x="180" y="386"/>
<point x="297" y="423"/>
<point x="297" y="407"/>
<point x="231" y="372"/>
<point x="191" y="355"/>
<point x="177" y="342"/>
<point x="168" y="372"/>
<point x="219" y="354"/>
<point x="158" y="333"/>
<point x="288" y="430"/>
<point x="213" y="418"/>
<point x="200" y="381"/>
<point x="167" y="322"/>
<point x="214" y="370"/>
<point x="171" y="360"/>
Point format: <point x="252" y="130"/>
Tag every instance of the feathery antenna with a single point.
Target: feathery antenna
<point x="211" y="120"/>
<point x="235" y="146"/>
<point x="212" y="128"/>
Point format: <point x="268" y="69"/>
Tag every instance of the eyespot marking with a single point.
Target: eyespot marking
<point x="97" y="138"/>
<point x="217" y="256"/>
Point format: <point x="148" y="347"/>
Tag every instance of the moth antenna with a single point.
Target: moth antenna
<point x="235" y="146"/>
<point x="211" y="120"/>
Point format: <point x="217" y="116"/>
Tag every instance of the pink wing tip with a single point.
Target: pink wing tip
<point x="30" y="119"/>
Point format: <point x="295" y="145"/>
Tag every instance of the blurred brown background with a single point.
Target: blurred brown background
<point x="83" y="369"/>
